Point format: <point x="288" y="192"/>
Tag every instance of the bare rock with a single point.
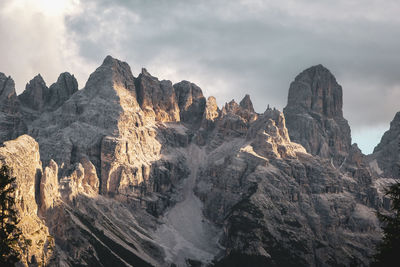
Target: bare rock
<point x="271" y="136"/>
<point x="246" y="103"/>
<point x="61" y="91"/>
<point x="191" y="102"/>
<point x="22" y="157"/>
<point x="157" y="98"/>
<point x="49" y="188"/>
<point x="211" y="113"/>
<point x="314" y="114"/>
<point x="387" y="153"/>
<point x="11" y="124"/>
<point x="35" y="94"/>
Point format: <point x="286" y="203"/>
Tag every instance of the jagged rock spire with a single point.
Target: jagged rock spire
<point x="246" y="103"/>
<point x="35" y="94"/>
<point x="157" y="97"/>
<point x="8" y="97"/>
<point x="61" y="91"/>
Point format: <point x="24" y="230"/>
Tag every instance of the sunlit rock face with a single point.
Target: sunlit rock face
<point x="314" y="114"/>
<point x="22" y="157"/>
<point x="157" y="98"/>
<point x="133" y="171"/>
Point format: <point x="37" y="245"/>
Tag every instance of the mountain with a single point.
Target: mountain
<point x="133" y="171"/>
<point x="314" y="114"/>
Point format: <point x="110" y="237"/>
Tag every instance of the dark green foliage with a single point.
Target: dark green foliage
<point x="9" y="232"/>
<point x="389" y="248"/>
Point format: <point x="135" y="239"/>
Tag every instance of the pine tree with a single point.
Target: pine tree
<point x="389" y="248"/>
<point x="9" y="232"/>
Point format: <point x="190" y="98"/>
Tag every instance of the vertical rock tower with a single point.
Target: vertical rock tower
<point x="314" y="114"/>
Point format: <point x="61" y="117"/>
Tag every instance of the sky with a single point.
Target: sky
<point x="227" y="47"/>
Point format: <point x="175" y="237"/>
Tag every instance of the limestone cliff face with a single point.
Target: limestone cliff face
<point x="22" y="157"/>
<point x="386" y="157"/>
<point x="157" y="98"/>
<point x="140" y="172"/>
<point x="61" y="91"/>
<point x="276" y="202"/>
<point x="314" y="114"/>
<point x="11" y="124"/>
<point x="35" y="94"/>
<point x="191" y="102"/>
<point x="105" y="127"/>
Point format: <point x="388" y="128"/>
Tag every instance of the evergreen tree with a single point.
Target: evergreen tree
<point x="389" y="248"/>
<point x="9" y="232"/>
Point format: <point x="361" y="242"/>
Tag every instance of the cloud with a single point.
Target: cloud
<point x="35" y="40"/>
<point x="228" y="48"/>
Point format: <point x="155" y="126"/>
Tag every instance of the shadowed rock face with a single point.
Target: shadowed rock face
<point x="61" y="91"/>
<point x="157" y="98"/>
<point x="314" y="114"/>
<point x="35" y="94"/>
<point x="246" y="103"/>
<point x="11" y="125"/>
<point x="191" y="102"/>
<point x="387" y="152"/>
<point x="142" y="172"/>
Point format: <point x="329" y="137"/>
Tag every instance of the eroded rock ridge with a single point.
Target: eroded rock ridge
<point x="133" y="171"/>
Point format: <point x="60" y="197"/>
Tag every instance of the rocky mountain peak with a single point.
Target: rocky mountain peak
<point x="211" y="113"/>
<point x="124" y="170"/>
<point x="61" y="91"/>
<point x="386" y="153"/>
<point x="35" y="94"/>
<point x="111" y="74"/>
<point x="191" y="102"/>
<point x="157" y="98"/>
<point x="316" y="90"/>
<point x="246" y="103"/>
<point x="11" y="124"/>
<point x="8" y="97"/>
<point x="146" y="73"/>
<point x="314" y="114"/>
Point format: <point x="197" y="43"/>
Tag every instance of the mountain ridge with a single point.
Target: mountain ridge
<point x="126" y="147"/>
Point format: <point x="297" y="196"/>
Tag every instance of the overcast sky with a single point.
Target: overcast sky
<point x="229" y="48"/>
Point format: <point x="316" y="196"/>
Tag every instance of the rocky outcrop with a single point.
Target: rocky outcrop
<point x="385" y="160"/>
<point x="234" y="120"/>
<point x="191" y="102"/>
<point x="22" y="157"/>
<point x="11" y="124"/>
<point x="211" y="113"/>
<point x="157" y="98"/>
<point x="314" y="114"/>
<point x="269" y="135"/>
<point x="37" y="98"/>
<point x="246" y="103"/>
<point x="35" y="94"/>
<point x="140" y="172"/>
<point x="49" y="193"/>
<point x="61" y="91"/>
<point x="277" y="203"/>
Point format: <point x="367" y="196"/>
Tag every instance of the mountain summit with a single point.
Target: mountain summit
<point x="134" y="171"/>
<point x="314" y="114"/>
